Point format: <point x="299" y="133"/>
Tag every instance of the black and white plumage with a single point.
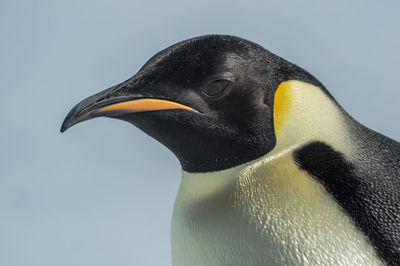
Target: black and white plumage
<point x="274" y="170"/>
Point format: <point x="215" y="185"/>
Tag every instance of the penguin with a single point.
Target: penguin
<point x="274" y="170"/>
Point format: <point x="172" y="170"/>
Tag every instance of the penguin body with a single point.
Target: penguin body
<point x="254" y="220"/>
<point x="275" y="172"/>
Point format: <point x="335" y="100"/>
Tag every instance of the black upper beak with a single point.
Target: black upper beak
<point x="86" y="108"/>
<point x="118" y="100"/>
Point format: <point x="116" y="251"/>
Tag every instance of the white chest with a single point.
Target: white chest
<point x="263" y="215"/>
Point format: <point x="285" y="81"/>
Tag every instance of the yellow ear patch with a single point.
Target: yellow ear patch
<point x="282" y="105"/>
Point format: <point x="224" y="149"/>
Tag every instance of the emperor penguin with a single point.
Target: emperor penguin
<point x="274" y="171"/>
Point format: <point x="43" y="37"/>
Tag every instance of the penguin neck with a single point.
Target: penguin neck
<point x="304" y="113"/>
<point x="202" y="187"/>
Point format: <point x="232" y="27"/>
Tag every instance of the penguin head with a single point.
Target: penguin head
<point x="208" y="99"/>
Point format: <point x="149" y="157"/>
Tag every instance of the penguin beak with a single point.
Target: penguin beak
<point x="114" y="102"/>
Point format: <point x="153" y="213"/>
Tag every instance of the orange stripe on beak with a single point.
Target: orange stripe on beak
<point x="140" y="105"/>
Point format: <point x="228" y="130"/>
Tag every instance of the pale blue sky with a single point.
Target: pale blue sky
<point x="103" y="192"/>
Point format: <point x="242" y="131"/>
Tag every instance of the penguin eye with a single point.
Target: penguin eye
<point x="216" y="87"/>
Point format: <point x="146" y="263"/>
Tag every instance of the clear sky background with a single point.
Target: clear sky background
<point x="103" y="192"/>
